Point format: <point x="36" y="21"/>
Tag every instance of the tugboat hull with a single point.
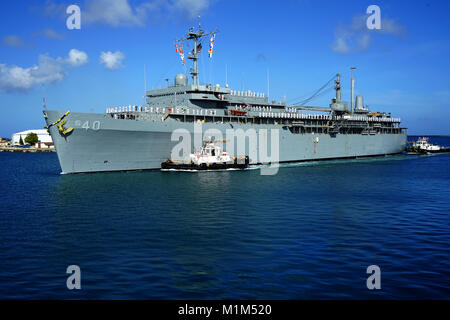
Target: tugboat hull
<point x="415" y="150"/>
<point x="238" y="163"/>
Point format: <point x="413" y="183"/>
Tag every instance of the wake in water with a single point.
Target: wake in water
<point x="333" y="162"/>
<point x="305" y="163"/>
<point x="195" y="170"/>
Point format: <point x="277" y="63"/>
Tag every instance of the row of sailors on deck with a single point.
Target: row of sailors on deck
<point x="286" y="115"/>
<point x="264" y="112"/>
<point x="163" y="110"/>
<point x="253" y="108"/>
<point x="157" y="110"/>
<point x="264" y="109"/>
<point x="247" y="93"/>
<point x="129" y="108"/>
<point x="160" y="110"/>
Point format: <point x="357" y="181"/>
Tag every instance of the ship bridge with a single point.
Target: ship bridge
<point x="207" y="96"/>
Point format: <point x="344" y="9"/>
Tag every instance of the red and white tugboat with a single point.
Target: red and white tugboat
<point x="209" y="157"/>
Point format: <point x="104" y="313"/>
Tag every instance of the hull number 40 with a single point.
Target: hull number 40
<point x="94" y="125"/>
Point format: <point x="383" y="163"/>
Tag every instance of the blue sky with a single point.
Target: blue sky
<point x="403" y="68"/>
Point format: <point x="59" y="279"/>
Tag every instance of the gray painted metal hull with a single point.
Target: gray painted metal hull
<point x="100" y="143"/>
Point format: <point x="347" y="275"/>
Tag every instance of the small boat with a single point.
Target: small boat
<point x="209" y="157"/>
<point x="238" y="112"/>
<point x="422" y="146"/>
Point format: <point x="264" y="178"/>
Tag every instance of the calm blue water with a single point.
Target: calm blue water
<point x="308" y="232"/>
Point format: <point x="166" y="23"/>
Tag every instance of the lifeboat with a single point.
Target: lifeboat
<point x="238" y="112"/>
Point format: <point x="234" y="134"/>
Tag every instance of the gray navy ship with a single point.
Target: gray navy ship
<point x="142" y="137"/>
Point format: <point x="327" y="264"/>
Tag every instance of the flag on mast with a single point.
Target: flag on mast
<point x="179" y="50"/>
<point x="211" y="45"/>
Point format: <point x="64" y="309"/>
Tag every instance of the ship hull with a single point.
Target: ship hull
<point x="100" y="143"/>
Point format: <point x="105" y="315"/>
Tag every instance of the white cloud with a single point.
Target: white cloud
<point x="52" y="9"/>
<point x="357" y="37"/>
<point x="14" y="78"/>
<point x="340" y="45"/>
<point x="52" y="34"/>
<point x="77" y="58"/>
<point x="390" y="26"/>
<point x="121" y="13"/>
<point x="49" y="33"/>
<point x="48" y="70"/>
<point x="192" y="7"/>
<point x="112" y="60"/>
<point x="113" y="13"/>
<point x="13" y="41"/>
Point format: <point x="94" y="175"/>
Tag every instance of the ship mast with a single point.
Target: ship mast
<point x="352" y="88"/>
<point x="196" y="36"/>
<point x="337" y="87"/>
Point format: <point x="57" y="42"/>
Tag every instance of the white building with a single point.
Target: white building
<point x="43" y="136"/>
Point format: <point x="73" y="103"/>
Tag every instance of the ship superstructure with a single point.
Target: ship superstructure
<point x="214" y="104"/>
<point x="140" y="137"/>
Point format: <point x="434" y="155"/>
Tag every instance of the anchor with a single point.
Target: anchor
<point x="62" y="130"/>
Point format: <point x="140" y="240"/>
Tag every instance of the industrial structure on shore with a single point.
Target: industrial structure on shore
<point x="44" y="139"/>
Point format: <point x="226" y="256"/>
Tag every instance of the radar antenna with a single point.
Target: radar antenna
<point x="195" y="36"/>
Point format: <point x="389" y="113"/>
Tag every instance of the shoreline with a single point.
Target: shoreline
<point x="26" y="150"/>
